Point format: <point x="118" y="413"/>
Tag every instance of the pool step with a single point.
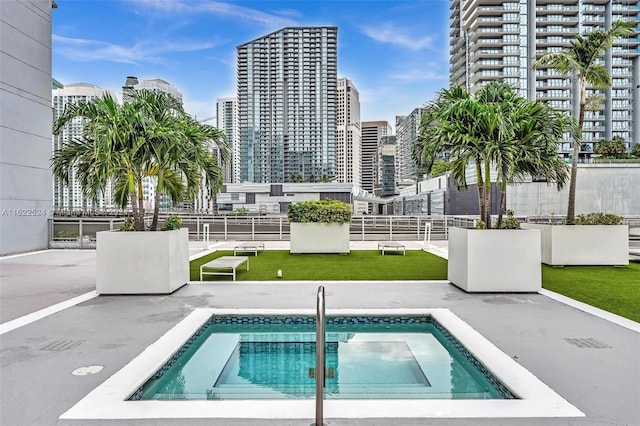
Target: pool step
<point x="378" y="391"/>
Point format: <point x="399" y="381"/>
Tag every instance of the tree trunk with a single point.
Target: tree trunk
<point x="487" y="192"/>
<point x="134" y="208"/>
<point x="156" y="209"/>
<point x="140" y="221"/>
<point x="503" y="203"/>
<point x="571" y="206"/>
<point x="480" y="185"/>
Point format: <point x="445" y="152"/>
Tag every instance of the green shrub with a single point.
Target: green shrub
<point x="481" y="224"/>
<point x="323" y="211"/>
<point x="241" y="211"/>
<point x="67" y="235"/>
<point x="172" y="222"/>
<point x="128" y="225"/>
<point x="598" y="218"/>
<point x="510" y="222"/>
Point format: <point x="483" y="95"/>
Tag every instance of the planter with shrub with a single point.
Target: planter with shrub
<point x="595" y="239"/>
<point x="142" y="262"/>
<point x="149" y="136"/>
<point x="319" y="227"/>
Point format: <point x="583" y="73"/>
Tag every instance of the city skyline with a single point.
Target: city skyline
<point x="396" y="53"/>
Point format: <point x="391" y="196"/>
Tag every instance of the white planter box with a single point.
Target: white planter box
<point x="488" y="260"/>
<point x="583" y="244"/>
<point x="319" y="238"/>
<point x="142" y="262"/>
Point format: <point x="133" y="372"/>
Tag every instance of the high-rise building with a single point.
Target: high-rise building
<point x="227" y="121"/>
<point x="132" y="83"/>
<point x="387" y="167"/>
<point x="499" y="40"/>
<point x="287" y="105"/>
<point x="71" y="197"/>
<point x="25" y="125"/>
<point x="407" y="131"/>
<point x="372" y="133"/>
<point x="348" y="135"/>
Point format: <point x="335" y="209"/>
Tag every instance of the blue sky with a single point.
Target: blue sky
<point x="395" y="52"/>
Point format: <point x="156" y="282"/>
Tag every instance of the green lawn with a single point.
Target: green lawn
<point x="358" y="265"/>
<point x="616" y="290"/>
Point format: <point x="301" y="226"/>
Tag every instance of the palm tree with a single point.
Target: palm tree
<point x="497" y="129"/>
<point x="150" y="135"/>
<point x="582" y="59"/>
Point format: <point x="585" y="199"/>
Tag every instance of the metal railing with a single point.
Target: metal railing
<point x="81" y="232"/>
<point x="320" y="357"/>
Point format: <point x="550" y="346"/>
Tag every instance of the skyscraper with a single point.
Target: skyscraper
<point x="348" y="134"/>
<point x="71" y="197"/>
<point x="227" y="121"/>
<point x="407" y="130"/>
<point x="492" y="41"/>
<point x="372" y="133"/>
<point x="132" y="83"/>
<point x="287" y="105"/>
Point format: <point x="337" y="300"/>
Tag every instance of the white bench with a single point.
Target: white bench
<point x="222" y="263"/>
<point x="248" y="248"/>
<point x="390" y="246"/>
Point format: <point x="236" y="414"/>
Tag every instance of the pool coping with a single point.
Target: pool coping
<point x="108" y="400"/>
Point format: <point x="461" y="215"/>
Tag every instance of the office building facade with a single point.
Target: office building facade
<point x="348" y="135"/>
<point x="490" y="41"/>
<point x="372" y="134"/>
<point x="387" y="156"/>
<point x="70" y="197"/>
<point x="132" y="83"/>
<point x="407" y="131"/>
<point x="286" y="88"/>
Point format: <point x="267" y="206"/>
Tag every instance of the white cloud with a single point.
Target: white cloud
<point x="85" y="50"/>
<point x="394" y="34"/>
<point x="277" y="19"/>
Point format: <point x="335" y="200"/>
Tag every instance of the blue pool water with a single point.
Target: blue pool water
<point x="367" y="357"/>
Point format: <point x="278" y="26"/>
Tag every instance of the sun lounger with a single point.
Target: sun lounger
<point x="222" y="265"/>
<point x="251" y="247"/>
<point x="390" y="246"/>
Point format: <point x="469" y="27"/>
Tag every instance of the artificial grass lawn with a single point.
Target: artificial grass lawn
<point x="358" y="265"/>
<point x="616" y="290"/>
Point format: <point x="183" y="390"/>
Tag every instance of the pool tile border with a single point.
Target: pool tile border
<point x="108" y="401"/>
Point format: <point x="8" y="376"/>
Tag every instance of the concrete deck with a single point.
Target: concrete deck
<point x="36" y="359"/>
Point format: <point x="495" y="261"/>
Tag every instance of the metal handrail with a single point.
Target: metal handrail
<point x="320" y="357"/>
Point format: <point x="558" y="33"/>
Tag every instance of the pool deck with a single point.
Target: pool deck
<point x="39" y="352"/>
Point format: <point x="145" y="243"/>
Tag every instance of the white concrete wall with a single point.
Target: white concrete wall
<point x="609" y="188"/>
<point x="25" y="124"/>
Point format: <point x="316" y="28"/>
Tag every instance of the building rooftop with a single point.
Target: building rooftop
<point x="38" y="356"/>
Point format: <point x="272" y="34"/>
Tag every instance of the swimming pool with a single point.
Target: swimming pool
<point x="367" y="357"/>
<point x="110" y="400"/>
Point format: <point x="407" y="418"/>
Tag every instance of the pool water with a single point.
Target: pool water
<point x="273" y="357"/>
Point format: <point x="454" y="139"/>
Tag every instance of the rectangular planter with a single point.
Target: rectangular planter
<point x="583" y="244"/>
<point x="492" y="260"/>
<point x="142" y="262"/>
<point x="319" y="238"/>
